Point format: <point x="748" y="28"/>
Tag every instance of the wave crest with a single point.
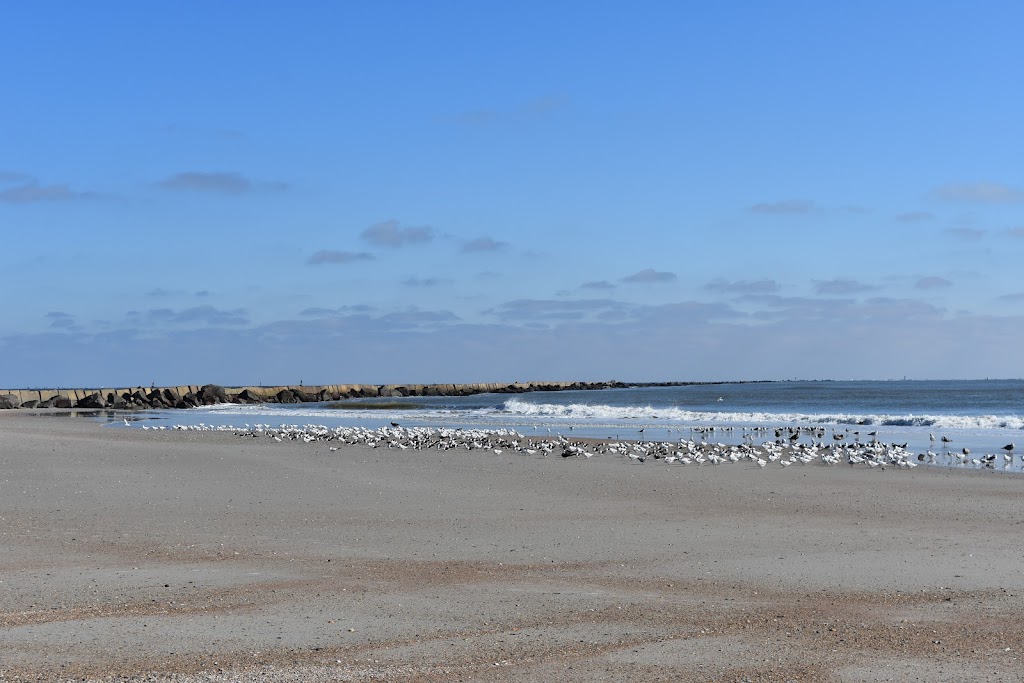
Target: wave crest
<point x="586" y="412"/>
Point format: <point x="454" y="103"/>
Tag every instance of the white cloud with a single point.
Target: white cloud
<point x="226" y="183"/>
<point x="789" y="206"/>
<point x="483" y="244"/>
<point x="337" y="257"/>
<point x="31" y="193"/>
<point x="391" y="234"/>
<point x="649" y="275"/>
<point x="984" y="193"/>
<point x="426" y="281"/>
<point x="966" y="234"/>
<point x="763" y="286"/>
<point x="841" y="287"/>
<point x="932" y="282"/>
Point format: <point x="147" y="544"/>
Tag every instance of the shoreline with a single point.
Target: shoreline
<point x="129" y="552"/>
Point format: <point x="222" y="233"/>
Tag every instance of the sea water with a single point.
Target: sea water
<point x="981" y="415"/>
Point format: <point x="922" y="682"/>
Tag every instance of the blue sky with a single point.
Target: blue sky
<point x="461" y="191"/>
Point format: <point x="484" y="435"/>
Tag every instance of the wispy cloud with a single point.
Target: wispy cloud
<point x="391" y="234"/>
<point x="743" y="286"/>
<point x="984" y="193"/>
<point x="597" y="284"/>
<point x="8" y="177"/>
<point x="484" y="244"/>
<point x="537" y="108"/>
<point x="1013" y="297"/>
<point x="362" y="319"/>
<point x="649" y="275"/>
<point x="416" y="318"/>
<point x="688" y="312"/>
<point x="160" y="292"/>
<point x="932" y="282"/>
<point x="791" y="206"/>
<point x="425" y="281"/>
<point x="552" y="309"/>
<point x="330" y="256"/>
<point x="320" y="312"/>
<point x="806" y="310"/>
<point x="966" y="234"/>
<point x="915" y="216"/>
<point x="1016" y="232"/>
<point x="197" y="315"/>
<point x="841" y="287"/>
<point x="31" y="192"/>
<point x="227" y="183"/>
<point x="61" y="320"/>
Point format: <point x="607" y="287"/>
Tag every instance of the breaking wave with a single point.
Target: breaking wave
<point x="603" y="413"/>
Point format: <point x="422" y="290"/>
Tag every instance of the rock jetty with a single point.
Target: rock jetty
<point x="141" y="398"/>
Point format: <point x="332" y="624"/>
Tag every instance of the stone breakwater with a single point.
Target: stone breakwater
<point x="140" y="398"/>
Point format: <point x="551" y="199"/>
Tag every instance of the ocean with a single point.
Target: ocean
<point x="981" y="415"/>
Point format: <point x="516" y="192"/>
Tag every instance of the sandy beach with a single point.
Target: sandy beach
<point x="151" y="555"/>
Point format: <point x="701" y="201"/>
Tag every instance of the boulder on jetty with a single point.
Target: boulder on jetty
<point x="9" y="402"/>
<point x="302" y="397"/>
<point x="249" y="397"/>
<point x="94" y="400"/>
<point x="213" y="393"/>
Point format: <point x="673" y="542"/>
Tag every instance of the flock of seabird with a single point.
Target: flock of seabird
<point x="785" y="450"/>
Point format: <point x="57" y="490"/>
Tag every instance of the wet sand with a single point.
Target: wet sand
<point x="141" y="554"/>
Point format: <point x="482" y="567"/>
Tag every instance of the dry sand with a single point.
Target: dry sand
<point x="143" y="555"/>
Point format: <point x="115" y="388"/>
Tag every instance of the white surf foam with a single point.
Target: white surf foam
<point x="604" y="413"/>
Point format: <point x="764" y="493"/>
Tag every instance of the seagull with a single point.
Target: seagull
<point x="394" y="424"/>
<point x="1008" y="447"/>
<point x="129" y="424"/>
